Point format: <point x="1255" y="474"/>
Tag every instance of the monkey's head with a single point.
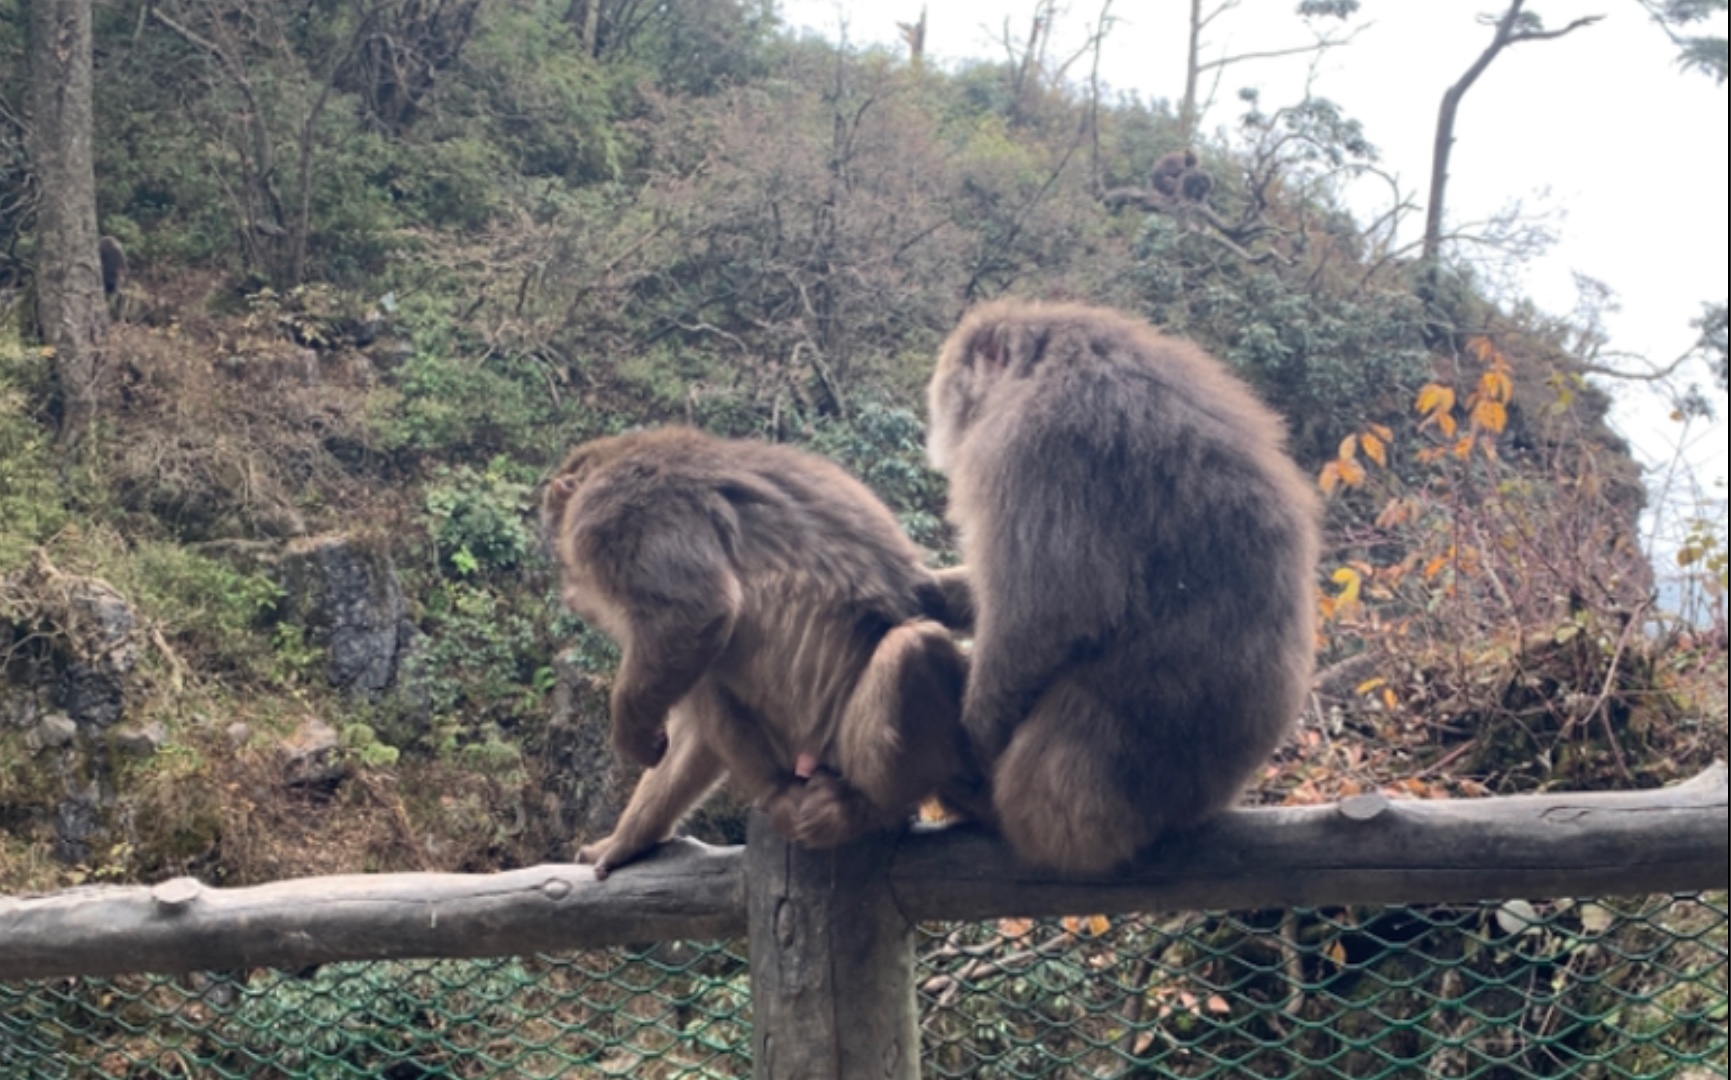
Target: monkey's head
<point x="560" y="505"/>
<point x="994" y="342"/>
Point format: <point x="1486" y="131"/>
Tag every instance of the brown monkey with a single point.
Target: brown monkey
<point x="1178" y="176"/>
<point x="1141" y="552"/>
<point x="773" y="620"/>
<point x="113" y="259"/>
<point x="1195" y="185"/>
<point x="1168" y="175"/>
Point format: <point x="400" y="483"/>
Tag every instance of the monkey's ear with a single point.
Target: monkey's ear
<point x="990" y="350"/>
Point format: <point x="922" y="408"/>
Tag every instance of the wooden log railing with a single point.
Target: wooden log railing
<point x="832" y="932"/>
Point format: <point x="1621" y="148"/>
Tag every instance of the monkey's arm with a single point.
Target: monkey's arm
<point x="667" y="655"/>
<point x="663" y="796"/>
<point x="1048" y="584"/>
<point x="951" y="600"/>
<point x="685" y="601"/>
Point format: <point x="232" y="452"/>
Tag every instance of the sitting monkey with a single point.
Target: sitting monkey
<point x="773" y="619"/>
<point x="1142" y="554"/>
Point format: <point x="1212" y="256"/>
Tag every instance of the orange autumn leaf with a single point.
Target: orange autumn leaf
<point x="1330" y="478"/>
<point x="1092" y="925"/>
<point x="1491" y="416"/>
<point x="1464" y="448"/>
<point x="1435" y="400"/>
<point x="1497" y="386"/>
<point x="1376" y="449"/>
<point x="1382" y="433"/>
<point x="1337" y="953"/>
<point x="1348" y="449"/>
<point x="1015" y="928"/>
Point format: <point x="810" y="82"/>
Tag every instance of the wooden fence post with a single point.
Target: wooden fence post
<point x="832" y="963"/>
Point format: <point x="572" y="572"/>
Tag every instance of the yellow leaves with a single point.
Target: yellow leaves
<point x="1090" y="925"/>
<point x="934" y="812"/>
<point x="1346" y="470"/>
<point x="1436" y="403"/>
<point x="1015" y="928"/>
<point x="1337" y="953"/>
<point x="1351" y="582"/>
<point x="1376" y="449"/>
<point x="1491" y="416"/>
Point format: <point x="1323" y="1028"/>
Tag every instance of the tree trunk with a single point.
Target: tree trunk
<point x="68" y="266"/>
<point x="1187" y="115"/>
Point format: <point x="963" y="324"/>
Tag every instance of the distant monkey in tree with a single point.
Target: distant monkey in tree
<point x="773" y="619"/>
<point x="1142" y="555"/>
<point x="113" y="259"/>
<point x="1178" y="176"/>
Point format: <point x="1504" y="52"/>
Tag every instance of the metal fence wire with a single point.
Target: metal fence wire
<point x="1614" y="989"/>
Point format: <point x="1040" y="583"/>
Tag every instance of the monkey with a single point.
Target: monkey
<point x="113" y="259"/>
<point x="777" y="627"/>
<point x="1195" y="186"/>
<point x="1178" y="176"/>
<point x="1141" y="554"/>
<point x="1169" y="171"/>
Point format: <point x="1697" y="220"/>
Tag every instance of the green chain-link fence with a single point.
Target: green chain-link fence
<point x="1610" y="990"/>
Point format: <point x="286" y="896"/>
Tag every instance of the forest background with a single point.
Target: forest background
<point x="272" y="600"/>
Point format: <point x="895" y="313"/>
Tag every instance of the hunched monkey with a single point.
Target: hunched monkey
<point x="1141" y="552"/>
<point x="1177" y="175"/>
<point x="773" y="620"/>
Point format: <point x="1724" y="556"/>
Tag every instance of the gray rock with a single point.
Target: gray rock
<point x="77" y="821"/>
<point x="109" y="626"/>
<point x="93" y="697"/>
<point x="239" y="734"/>
<point x="312" y="756"/>
<point x="54" y="732"/>
<point x="143" y="741"/>
<point x="346" y="594"/>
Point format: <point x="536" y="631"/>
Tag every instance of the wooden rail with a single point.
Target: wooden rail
<point x="832" y="932"/>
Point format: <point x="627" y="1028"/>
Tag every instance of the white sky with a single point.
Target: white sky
<point x="1600" y="129"/>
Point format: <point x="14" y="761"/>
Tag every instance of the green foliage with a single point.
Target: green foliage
<point x="478" y="519"/>
<point x="31" y="506"/>
<point x="214" y="610"/>
<point x="479" y="659"/>
<point x="535" y="98"/>
<point x="462" y="409"/>
<point x="885" y="447"/>
<point x="362" y="744"/>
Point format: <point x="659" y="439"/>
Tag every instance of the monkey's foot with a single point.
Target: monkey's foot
<point x="822" y="812"/>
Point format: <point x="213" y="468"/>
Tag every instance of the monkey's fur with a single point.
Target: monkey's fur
<point x="772" y="616"/>
<point x="1178" y="176"/>
<point x="1141" y="552"/>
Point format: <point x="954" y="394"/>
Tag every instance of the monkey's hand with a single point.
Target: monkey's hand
<point x="609" y="854"/>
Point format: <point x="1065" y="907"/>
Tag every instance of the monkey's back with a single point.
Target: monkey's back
<point x="1174" y="533"/>
<point x="822" y="567"/>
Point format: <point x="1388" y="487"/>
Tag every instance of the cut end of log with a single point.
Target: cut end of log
<point x="1363" y="807"/>
<point x="176" y="896"/>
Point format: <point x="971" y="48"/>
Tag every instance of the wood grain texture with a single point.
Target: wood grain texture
<point x="832" y="963"/>
<point x="1364" y="851"/>
<point x="686" y="891"/>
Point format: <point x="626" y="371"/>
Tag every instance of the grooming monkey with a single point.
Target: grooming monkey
<point x="1178" y="176"/>
<point x="1141" y="553"/>
<point x="774" y="624"/>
